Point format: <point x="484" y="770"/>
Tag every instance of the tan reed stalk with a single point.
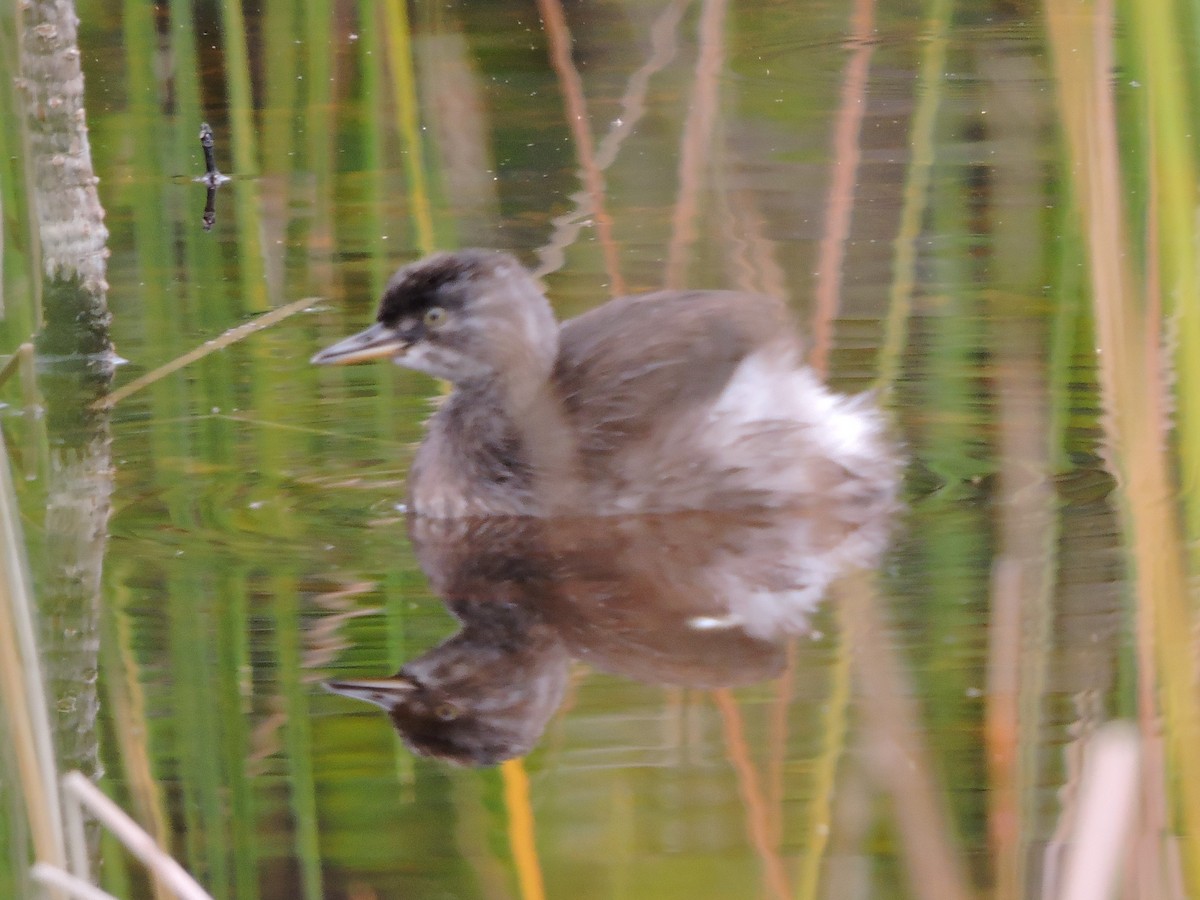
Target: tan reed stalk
<point x="232" y="336"/>
<point x="22" y="688"/>
<point x="696" y="139"/>
<point x="558" y="35"/>
<point x="899" y="758"/>
<point x="139" y="843"/>
<point x="839" y="203"/>
<point x="1134" y="396"/>
<point x="757" y="820"/>
<point x="1107" y="809"/>
<point x="930" y="82"/>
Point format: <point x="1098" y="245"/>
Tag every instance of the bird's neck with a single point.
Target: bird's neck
<point x="532" y="413"/>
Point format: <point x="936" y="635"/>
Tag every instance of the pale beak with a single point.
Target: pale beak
<point x="384" y="692"/>
<point x="376" y="342"/>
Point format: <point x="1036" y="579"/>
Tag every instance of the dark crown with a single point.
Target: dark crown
<point x="420" y="285"/>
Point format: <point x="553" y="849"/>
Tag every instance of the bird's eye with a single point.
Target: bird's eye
<point x="446" y="711"/>
<point x="435" y="316"/>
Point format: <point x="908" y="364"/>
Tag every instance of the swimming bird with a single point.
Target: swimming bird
<point x="659" y="402"/>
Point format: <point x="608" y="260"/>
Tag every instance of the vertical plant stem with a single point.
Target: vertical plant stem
<point x="237" y="71"/>
<point x="1134" y="395"/>
<point x="752" y="797"/>
<point x="253" y="293"/>
<point x="566" y="227"/>
<point x="398" y="40"/>
<point x="930" y="83"/>
<point x="777" y="744"/>
<point x="297" y="736"/>
<point x="1108" y="808"/>
<point x="1157" y="29"/>
<point x="126" y="701"/>
<point x="22" y="687"/>
<point x="696" y="141"/>
<point x="559" y="38"/>
<point x="1022" y="596"/>
<point x="824" y="779"/>
<point x="839" y="203"/>
<point x="521" y="834"/>
<point x="900" y="757"/>
<point x="320" y="127"/>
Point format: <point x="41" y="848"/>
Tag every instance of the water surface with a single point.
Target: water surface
<point x="257" y="544"/>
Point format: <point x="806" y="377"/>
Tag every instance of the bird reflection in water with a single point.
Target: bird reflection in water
<point x="659" y="487"/>
<point x="693" y="599"/>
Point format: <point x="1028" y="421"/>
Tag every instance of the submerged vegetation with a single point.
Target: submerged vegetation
<point x="999" y="204"/>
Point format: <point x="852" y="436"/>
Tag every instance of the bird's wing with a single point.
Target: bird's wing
<point x="627" y="365"/>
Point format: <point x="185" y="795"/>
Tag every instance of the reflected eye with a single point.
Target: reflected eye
<point x="446" y="711"/>
<point x="435" y="316"/>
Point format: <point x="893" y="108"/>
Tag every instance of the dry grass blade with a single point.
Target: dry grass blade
<point x="64" y="881"/>
<point x="1131" y="376"/>
<point x="1107" y="809"/>
<point x="14" y="362"/>
<point x="839" y="204"/>
<point x="930" y="88"/>
<point x="899" y="756"/>
<point x="694" y="146"/>
<point x="559" y="38"/>
<point x="566" y="227"/>
<point x="139" y="843"/>
<point x="232" y="336"/>
<point x="757" y="818"/>
<point x="21" y="685"/>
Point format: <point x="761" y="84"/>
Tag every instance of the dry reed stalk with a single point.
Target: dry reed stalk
<point x="777" y="743"/>
<point x="839" y="207"/>
<point x="757" y="820"/>
<point x="68" y="883"/>
<point x="566" y="227"/>
<point x="1131" y="371"/>
<point x="839" y="204"/>
<point x="558" y="37"/>
<point x="1020" y="633"/>
<point x="1107" y="809"/>
<point x="825" y="771"/>
<point x="125" y="696"/>
<point x="930" y="83"/>
<point x="1002" y="725"/>
<point x="899" y="758"/>
<point x="138" y="842"/>
<point x="232" y="336"/>
<point x="22" y="686"/>
<point x="696" y="139"/>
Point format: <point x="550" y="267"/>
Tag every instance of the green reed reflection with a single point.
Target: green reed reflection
<point x="255" y="545"/>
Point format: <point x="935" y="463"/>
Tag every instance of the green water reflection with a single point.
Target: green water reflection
<point x="257" y="545"/>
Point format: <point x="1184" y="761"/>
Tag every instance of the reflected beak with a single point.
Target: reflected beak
<point x="376" y="342"/>
<point x="383" y="692"/>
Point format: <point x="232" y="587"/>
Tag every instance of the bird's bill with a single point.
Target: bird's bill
<point x="384" y="692"/>
<point x="376" y="342"/>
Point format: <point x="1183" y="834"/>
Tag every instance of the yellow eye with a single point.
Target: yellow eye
<point x="446" y="711"/>
<point x="435" y="316"/>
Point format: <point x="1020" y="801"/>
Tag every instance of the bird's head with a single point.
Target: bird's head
<point x="481" y="697"/>
<point x="468" y="316"/>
